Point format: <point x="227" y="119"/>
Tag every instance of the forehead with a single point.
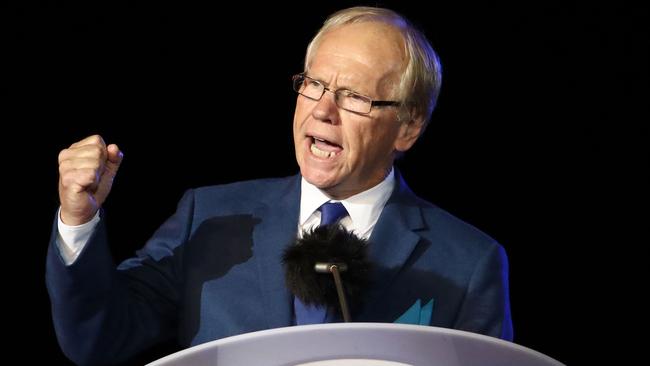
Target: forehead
<point x="369" y="52"/>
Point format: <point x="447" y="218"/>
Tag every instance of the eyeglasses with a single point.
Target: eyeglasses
<point x="345" y="99"/>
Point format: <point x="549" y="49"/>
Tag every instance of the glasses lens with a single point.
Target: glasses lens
<point x="353" y="102"/>
<point x="310" y="88"/>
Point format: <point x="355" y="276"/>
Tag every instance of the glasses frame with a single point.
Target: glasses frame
<point x="298" y="79"/>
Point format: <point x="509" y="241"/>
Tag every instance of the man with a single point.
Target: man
<point x="214" y="269"/>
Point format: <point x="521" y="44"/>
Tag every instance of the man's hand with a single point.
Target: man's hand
<point x="86" y="172"/>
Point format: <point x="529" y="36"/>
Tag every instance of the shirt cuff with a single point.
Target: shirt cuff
<point x="72" y="239"/>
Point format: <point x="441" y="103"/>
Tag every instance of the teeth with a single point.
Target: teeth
<point x="318" y="152"/>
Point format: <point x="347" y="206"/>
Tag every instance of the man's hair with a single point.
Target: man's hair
<point x="421" y="79"/>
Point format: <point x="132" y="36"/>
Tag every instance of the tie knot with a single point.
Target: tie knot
<point x="331" y="212"/>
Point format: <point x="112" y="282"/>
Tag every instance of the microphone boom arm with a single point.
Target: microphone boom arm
<point x="334" y="269"/>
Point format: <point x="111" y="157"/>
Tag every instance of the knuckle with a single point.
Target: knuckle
<point x="62" y="155"/>
<point x="97" y="139"/>
<point x="64" y="166"/>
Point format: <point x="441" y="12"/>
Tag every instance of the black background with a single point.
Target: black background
<point x="540" y="138"/>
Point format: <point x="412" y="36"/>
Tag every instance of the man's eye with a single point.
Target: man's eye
<point x="355" y="96"/>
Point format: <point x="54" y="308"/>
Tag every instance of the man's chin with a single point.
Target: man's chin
<point x="319" y="181"/>
<point x="320" y="178"/>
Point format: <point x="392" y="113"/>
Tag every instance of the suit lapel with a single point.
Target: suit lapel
<point x="276" y="230"/>
<point x="392" y="241"/>
<point x="394" y="238"/>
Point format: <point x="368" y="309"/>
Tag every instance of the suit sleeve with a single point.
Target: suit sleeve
<point x="486" y="306"/>
<point x="103" y="314"/>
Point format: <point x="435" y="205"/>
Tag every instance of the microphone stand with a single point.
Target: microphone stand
<point x="334" y="269"/>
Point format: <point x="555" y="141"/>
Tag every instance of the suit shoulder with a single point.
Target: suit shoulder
<point x="447" y="228"/>
<point x="447" y="231"/>
<point x="247" y="192"/>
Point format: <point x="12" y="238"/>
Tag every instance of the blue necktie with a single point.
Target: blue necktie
<point x="331" y="212"/>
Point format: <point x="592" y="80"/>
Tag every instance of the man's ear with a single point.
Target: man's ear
<point x="409" y="132"/>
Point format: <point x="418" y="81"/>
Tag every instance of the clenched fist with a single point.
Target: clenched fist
<point x="86" y="172"/>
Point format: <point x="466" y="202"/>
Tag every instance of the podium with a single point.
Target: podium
<point x="358" y="344"/>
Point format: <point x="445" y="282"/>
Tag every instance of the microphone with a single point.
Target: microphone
<point x="323" y="250"/>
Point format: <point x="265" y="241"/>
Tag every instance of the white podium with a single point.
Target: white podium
<point x="358" y="344"/>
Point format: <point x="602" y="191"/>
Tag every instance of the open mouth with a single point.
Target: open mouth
<point x="323" y="148"/>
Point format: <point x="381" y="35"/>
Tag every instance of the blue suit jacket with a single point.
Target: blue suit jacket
<point x="214" y="270"/>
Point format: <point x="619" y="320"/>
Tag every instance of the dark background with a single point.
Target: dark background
<point x="540" y="138"/>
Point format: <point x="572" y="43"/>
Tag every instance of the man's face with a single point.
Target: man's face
<point x="339" y="151"/>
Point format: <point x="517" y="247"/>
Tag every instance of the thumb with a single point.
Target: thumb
<point x="114" y="158"/>
<point x="113" y="161"/>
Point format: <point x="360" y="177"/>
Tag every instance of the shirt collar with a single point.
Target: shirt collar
<point x="364" y="207"/>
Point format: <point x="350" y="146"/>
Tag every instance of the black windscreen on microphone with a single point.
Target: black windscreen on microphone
<point x="330" y="244"/>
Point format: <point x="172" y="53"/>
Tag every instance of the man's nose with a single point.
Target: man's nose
<point x="326" y="109"/>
